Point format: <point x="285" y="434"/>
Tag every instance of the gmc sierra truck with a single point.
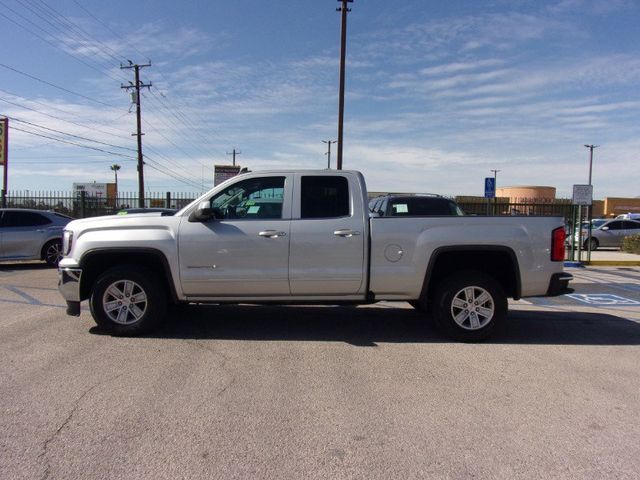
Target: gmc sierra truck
<point x="307" y="237"/>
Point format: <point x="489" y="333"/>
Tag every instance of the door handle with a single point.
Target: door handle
<point x="272" y="234"/>
<point x="346" y="233"/>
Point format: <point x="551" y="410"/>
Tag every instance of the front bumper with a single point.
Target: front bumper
<point x="559" y="284"/>
<point x="69" y="287"/>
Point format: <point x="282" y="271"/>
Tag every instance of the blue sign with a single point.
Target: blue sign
<point x="489" y="187"/>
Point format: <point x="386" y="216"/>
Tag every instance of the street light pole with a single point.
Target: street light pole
<point x="328" y="154"/>
<point x="590" y="208"/>
<point x="115" y="167"/>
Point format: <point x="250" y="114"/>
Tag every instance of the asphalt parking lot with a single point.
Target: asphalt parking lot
<point x="322" y="392"/>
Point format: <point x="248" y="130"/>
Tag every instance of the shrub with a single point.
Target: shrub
<point x="631" y="244"/>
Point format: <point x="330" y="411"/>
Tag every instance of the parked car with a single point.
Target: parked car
<point x="164" y="211"/>
<point x="420" y="205"/>
<point x="609" y="233"/>
<point x="629" y="216"/>
<point x="31" y="235"/>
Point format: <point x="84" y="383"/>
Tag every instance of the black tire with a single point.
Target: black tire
<point x="594" y="244"/>
<point x="475" y="321"/>
<point x="52" y="252"/>
<point x="137" y="297"/>
<point x="417" y="305"/>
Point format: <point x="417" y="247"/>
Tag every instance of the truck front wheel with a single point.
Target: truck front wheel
<point x="128" y="301"/>
<point x="469" y="305"/>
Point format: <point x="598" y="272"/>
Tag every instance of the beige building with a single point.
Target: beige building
<point x="527" y="194"/>
<point x="614" y="206"/>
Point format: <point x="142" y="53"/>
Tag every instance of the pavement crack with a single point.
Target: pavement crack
<point x="222" y="365"/>
<point x="65" y="422"/>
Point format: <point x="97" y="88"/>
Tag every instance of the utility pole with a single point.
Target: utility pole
<point x="590" y="207"/>
<point x="115" y="167"/>
<point x="234" y="153"/>
<point x="328" y="154"/>
<point x="137" y="86"/>
<point x="495" y="186"/>
<point x="4" y="157"/>
<point x="343" y="54"/>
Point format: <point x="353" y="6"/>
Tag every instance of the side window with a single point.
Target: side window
<point x="24" y="219"/>
<point x="324" y="197"/>
<point x="631" y="225"/>
<point x="615" y="225"/>
<point x="253" y="199"/>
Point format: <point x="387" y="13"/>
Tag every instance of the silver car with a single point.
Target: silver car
<point x="609" y="233"/>
<point x="31" y="235"/>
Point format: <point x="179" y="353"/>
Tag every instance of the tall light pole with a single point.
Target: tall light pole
<point x="115" y="167"/>
<point x="328" y="154"/>
<point x="495" y="186"/>
<point x="591" y="147"/>
<point x="343" y="53"/>
<point x="590" y="208"/>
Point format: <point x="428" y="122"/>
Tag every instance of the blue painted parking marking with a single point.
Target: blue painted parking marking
<point x="602" y="299"/>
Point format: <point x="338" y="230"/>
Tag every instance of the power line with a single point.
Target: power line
<point x="73" y="143"/>
<point x="49" y="42"/>
<point x="33" y="77"/>
<point x="67" y="23"/>
<point x="69" y="134"/>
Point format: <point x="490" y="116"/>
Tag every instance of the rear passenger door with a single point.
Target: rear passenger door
<point x="327" y="236"/>
<point x="613" y="236"/>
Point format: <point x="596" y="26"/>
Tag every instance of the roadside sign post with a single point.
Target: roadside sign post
<point x="490" y="191"/>
<point x="583" y="196"/>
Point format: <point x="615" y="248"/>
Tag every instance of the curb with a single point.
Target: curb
<point x="614" y="263"/>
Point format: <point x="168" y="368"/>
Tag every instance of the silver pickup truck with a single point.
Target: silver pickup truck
<point x="307" y="237"/>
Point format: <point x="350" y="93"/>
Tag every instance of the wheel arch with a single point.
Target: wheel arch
<point x="499" y="262"/>
<point x="96" y="261"/>
<point x="46" y="243"/>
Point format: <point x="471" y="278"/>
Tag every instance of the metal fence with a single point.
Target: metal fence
<point x="81" y="205"/>
<point x="547" y="209"/>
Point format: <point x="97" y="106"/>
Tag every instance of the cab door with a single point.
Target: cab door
<point x="244" y="251"/>
<point x="328" y="236"/>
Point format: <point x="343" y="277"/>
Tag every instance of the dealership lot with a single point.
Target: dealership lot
<point x="322" y="392"/>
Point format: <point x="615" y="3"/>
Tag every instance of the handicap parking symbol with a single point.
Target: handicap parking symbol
<point x="603" y="299"/>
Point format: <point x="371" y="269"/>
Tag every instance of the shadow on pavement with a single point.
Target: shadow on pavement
<point x="370" y="326"/>
<point x="22" y="266"/>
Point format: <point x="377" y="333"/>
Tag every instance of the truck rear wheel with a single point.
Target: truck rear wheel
<point x="469" y="305"/>
<point x="128" y="301"/>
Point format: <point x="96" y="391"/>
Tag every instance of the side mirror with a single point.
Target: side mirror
<point x="203" y="213"/>
<point x="604" y="229"/>
<point x="380" y="212"/>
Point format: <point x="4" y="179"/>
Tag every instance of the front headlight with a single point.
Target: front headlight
<point x="67" y="241"/>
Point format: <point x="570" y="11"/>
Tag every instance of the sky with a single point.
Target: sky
<point x="438" y="94"/>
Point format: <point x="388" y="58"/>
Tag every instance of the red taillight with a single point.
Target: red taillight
<point x="558" y="237"/>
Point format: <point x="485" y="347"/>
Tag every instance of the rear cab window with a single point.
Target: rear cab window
<point x="324" y="196"/>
